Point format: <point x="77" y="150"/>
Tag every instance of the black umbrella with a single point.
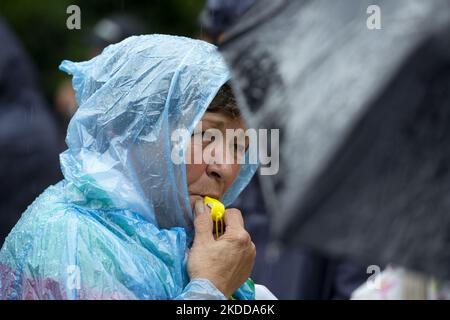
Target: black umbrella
<point x="364" y="118"/>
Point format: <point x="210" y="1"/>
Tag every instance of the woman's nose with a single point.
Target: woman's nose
<point x="219" y="171"/>
<point x="217" y="165"/>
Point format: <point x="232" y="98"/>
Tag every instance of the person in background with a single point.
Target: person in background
<point x="218" y="15"/>
<point x="29" y="138"/>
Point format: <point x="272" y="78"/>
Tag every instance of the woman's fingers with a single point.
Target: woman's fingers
<point x="233" y="219"/>
<point x="203" y="223"/>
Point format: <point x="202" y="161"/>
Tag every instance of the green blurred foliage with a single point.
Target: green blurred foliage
<point x="41" y="26"/>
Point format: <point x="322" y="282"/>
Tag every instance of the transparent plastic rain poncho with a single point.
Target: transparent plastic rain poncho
<point x="120" y="224"/>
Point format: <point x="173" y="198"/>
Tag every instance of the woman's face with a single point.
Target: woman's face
<point x="208" y="177"/>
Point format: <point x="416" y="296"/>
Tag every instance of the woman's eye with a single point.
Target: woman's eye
<point x="203" y="138"/>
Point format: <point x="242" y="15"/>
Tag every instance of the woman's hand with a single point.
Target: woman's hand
<point x="228" y="261"/>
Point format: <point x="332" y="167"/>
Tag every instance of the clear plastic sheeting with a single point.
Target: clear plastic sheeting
<point x="119" y="225"/>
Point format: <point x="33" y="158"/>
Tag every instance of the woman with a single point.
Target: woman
<point x="120" y="223"/>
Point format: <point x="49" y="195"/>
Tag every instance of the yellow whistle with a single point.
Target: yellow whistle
<point x="217" y="212"/>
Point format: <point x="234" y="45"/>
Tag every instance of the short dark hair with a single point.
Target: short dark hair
<point x="225" y="102"/>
